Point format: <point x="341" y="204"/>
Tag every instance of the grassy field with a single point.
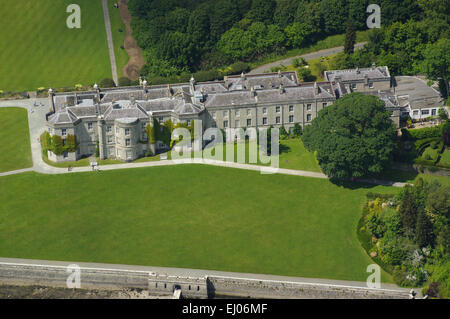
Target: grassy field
<point x="39" y="50"/>
<point x="191" y="216"/>
<point x="293" y="155"/>
<point x="15" y="151"/>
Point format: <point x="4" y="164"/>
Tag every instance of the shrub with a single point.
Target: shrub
<point x="107" y="83"/>
<point x="238" y="68"/>
<point x="124" y="81"/>
<point x="427" y="132"/>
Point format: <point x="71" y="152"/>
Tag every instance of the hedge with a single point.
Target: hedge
<point x="427" y="132"/>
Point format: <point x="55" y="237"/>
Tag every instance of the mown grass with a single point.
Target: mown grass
<point x="39" y="50"/>
<point x="192" y="216"/>
<point x="15" y="150"/>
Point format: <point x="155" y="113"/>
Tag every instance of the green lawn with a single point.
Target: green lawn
<point x="191" y="216"/>
<point x="293" y="155"/>
<point x="15" y="150"/>
<point x="39" y="50"/>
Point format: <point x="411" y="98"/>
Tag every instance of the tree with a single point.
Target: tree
<point x="436" y="64"/>
<point x="445" y="131"/>
<point x="297" y="34"/>
<point x="297" y="130"/>
<point x="350" y="38"/>
<point x="262" y="11"/>
<point x="354" y="137"/>
<point x="285" y="12"/>
<point x="283" y="133"/>
<point x="424" y="230"/>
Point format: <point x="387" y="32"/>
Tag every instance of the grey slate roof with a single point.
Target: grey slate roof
<point x="358" y="74"/>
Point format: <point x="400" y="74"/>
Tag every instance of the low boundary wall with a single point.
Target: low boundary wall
<point x="161" y="284"/>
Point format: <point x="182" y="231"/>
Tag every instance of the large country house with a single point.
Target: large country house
<point x="115" y="119"/>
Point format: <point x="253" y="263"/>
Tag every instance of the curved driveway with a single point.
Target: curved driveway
<point x="307" y="57"/>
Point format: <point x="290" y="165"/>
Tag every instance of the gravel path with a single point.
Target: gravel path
<point x="110" y="41"/>
<point x="307" y="57"/>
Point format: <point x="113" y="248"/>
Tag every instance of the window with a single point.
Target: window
<point x="353" y="86"/>
<point x="109" y="139"/>
<point x="264" y="120"/>
<point x="127" y="131"/>
<point x="236" y="123"/>
<point x="370" y="85"/>
<point x="291" y="108"/>
<point x="264" y="110"/>
<point x="249" y="122"/>
<point x="291" y="118"/>
<point x="249" y="112"/>
<point x="63" y="132"/>
<point x="64" y="141"/>
<point x="144" y="126"/>
<point x="278" y="109"/>
<point x="108" y="128"/>
<point x="110" y="151"/>
<point x="277" y="120"/>
<point x="433" y="112"/>
<point x="225" y="123"/>
<point x="415" y="112"/>
<point x="66" y="155"/>
<point x="117" y="130"/>
<point x="161" y="119"/>
<point x="117" y="140"/>
<point x="324" y="104"/>
<point x="214" y="125"/>
<point x="129" y="154"/>
<point x="188" y="122"/>
<point x="291" y="130"/>
<point x="144" y="136"/>
<point x="308" y="107"/>
<point x="50" y="130"/>
<point x="213" y="114"/>
<point x="425" y="112"/>
<point x="308" y="117"/>
<point x="225" y="113"/>
<point x="90" y="126"/>
<point x="236" y="113"/>
<point x="127" y="142"/>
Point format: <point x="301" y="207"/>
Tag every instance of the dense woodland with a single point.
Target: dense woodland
<point x="218" y="37"/>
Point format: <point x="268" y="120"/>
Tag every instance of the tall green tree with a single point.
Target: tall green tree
<point x="262" y="11"/>
<point x="350" y="38"/>
<point x="436" y="64"/>
<point x="354" y="137"/>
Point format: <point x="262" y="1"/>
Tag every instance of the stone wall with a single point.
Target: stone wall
<point x="254" y="288"/>
<point x="191" y="287"/>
